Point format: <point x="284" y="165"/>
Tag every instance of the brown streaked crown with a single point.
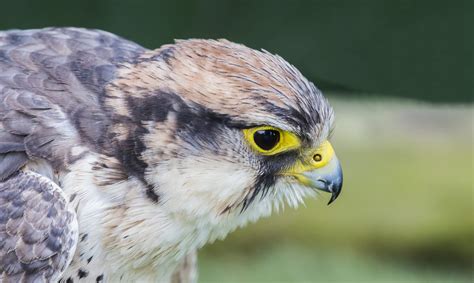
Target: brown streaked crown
<point x="249" y="86"/>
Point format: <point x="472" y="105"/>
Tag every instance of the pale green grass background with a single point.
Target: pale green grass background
<point x="405" y="214"/>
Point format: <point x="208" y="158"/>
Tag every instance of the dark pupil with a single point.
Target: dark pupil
<point x="266" y="139"/>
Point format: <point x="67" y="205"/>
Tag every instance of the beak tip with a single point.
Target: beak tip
<point x="335" y="190"/>
<point x="334" y="196"/>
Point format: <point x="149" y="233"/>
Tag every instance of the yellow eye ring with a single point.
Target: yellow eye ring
<point x="268" y="140"/>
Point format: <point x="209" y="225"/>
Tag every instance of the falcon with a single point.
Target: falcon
<point x="117" y="163"/>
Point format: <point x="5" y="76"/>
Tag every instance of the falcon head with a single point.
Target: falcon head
<point x="223" y="133"/>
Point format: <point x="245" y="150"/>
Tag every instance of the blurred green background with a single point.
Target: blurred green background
<point x="400" y="76"/>
<point x="421" y="48"/>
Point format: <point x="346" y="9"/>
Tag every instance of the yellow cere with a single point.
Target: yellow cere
<point x="288" y="140"/>
<point x="315" y="159"/>
<point x="325" y="152"/>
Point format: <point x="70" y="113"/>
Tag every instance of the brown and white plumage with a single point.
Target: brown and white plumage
<point x="147" y="146"/>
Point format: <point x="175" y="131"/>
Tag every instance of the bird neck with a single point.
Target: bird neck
<point x="131" y="235"/>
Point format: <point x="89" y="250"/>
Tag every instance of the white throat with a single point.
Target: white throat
<point x="135" y="238"/>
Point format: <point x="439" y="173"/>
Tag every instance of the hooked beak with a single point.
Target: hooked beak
<point x="321" y="171"/>
<point x="327" y="178"/>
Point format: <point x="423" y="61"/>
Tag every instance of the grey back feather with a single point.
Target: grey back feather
<point x="38" y="229"/>
<point x="51" y="85"/>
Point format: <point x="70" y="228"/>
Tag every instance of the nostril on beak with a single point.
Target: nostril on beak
<point x="317" y="157"/>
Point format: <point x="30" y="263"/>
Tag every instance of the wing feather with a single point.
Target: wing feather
<point x="38" y="229"/>
<point x="51" y="86"/>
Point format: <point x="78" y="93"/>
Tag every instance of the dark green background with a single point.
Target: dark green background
<point x="418" y="49"/>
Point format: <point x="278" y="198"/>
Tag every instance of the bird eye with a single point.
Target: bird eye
<point x="266" y="139"/>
